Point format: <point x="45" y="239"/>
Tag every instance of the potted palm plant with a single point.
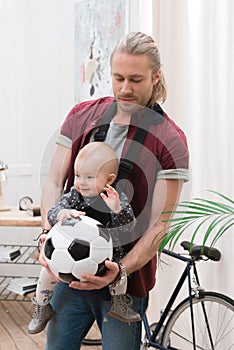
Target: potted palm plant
<point x="211" y="218"/>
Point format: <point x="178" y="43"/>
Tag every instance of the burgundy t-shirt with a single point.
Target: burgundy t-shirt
<point x="165" y="148"/>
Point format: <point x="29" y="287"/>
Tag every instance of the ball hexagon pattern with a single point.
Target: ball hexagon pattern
<point x="77" y="246"/>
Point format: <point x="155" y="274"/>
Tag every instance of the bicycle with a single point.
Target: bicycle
<point x="202" y="321"/>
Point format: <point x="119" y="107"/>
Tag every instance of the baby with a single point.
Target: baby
<point x="93" y="194"/>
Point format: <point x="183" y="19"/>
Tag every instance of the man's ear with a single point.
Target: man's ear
<point x="111" y="178"/>
<point x="156" y="76"/>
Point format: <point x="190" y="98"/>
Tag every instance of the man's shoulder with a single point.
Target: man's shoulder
<point x="167" y="125"/>
<point x="173" y="128"/>
<point x="101" y="103"/>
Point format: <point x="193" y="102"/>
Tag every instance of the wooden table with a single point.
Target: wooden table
<point x="20" y="218"/>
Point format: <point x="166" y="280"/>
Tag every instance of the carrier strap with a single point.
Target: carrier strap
<point x="149" y="116"/>
<point x="100" y="135"/>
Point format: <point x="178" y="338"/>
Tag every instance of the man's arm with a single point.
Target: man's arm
<point x="166" y="193"/>
<point x="55" y="182"/>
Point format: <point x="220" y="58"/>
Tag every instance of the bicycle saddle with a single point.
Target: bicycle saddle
<point x="196" y="251"/>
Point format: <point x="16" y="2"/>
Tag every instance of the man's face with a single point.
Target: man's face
<point x="132" y="80"/>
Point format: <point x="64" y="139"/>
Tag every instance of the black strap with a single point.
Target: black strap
<point x="100" y="135"/>
<point x="126" y="165"/>
<point x="149" y="116"/>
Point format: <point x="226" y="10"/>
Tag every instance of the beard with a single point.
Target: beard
<point x="129" y="107"/>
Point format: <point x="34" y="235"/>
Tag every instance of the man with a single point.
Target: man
<point x="154" y="179"/>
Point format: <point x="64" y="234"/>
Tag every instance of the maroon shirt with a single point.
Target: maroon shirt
<point x="165" y="148"/>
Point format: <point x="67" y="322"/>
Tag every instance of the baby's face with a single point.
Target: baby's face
<point x="90" y="179"/>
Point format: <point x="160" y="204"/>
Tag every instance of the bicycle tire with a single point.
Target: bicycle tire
<point x="220" y="312"/>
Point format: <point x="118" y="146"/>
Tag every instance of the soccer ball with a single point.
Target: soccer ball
<point x="77" y="246"/>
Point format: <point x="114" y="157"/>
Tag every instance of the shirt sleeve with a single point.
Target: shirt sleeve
<point x="71" y="124"/>
<point x="172" y="152"/>
<point x="125" y="219"/>
<point x="64" y="141"/>
<point x="172" y="174"/>
<point x="69" y="200"/>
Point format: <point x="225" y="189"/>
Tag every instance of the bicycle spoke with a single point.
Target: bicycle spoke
<point x="187" y="340"/>
<point x="213" y="320"/>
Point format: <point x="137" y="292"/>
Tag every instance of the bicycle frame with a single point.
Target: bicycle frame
<point x="150" y="338"/>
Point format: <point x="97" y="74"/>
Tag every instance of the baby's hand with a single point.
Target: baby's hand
<point x="68" y="214"/>
<point x="111" y="198"/>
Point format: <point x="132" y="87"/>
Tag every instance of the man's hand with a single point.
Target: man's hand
<point x="95" y="282"/>
<point x="91" y="282"/>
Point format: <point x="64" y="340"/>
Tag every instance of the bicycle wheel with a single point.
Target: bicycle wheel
<point x="216" y="334"/>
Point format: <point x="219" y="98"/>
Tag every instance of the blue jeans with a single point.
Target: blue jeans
<point x="75" y="316"/>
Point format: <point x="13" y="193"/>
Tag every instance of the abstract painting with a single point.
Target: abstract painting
<point x="99" y="24"/>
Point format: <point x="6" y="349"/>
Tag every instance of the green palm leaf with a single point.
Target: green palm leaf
<point x="223" y="196"/>
<point x="223" y="229"/>
<point x="211" y="218"/>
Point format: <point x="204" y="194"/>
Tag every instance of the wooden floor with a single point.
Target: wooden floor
<point x="14" y="318"/>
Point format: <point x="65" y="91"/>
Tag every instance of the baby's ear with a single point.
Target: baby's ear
<point x="111" y="178"/>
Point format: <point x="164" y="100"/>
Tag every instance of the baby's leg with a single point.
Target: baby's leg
<point x="43" y="310"/>
<point x="45" y="287"/>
